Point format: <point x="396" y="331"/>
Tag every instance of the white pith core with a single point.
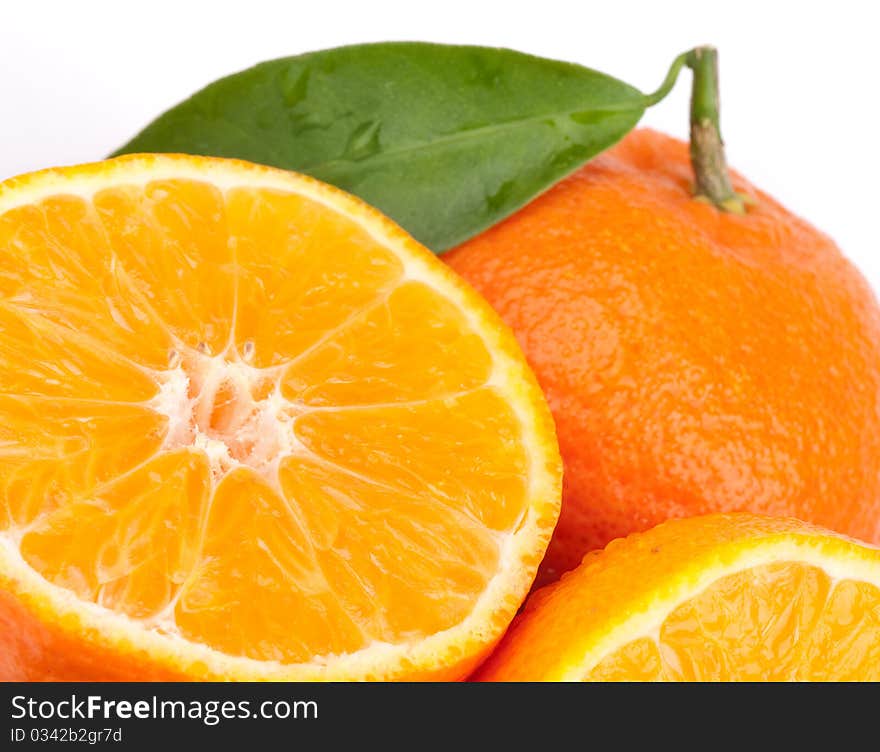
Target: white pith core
<point x="234" y="413"/>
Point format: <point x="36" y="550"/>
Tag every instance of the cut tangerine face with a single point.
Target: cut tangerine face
<point x="250" y="429"/>
<point x="714" y="598"/>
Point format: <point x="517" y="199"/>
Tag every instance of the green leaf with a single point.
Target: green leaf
<point x="446" y="140"/>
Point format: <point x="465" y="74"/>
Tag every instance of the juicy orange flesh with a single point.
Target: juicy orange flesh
<point x="785" y="621"/>
<point x="229" y="414"/>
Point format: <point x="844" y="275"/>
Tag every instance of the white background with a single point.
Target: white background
<point x="799" y="79"/>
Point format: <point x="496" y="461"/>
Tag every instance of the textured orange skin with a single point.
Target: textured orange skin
<point x="694" y="361"/>
<point x="561" y="622"/>
<point x="35" y="650"/>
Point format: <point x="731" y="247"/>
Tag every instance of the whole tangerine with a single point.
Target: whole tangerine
<point x="694" y="360"/>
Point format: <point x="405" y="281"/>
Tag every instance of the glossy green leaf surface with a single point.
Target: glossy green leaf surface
<point x="446" y="140"/>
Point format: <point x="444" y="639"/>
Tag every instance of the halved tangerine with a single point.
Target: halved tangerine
<point x="250" y="429"/>
<point x="723" y="597"/>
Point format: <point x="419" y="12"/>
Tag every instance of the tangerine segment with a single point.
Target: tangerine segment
<point x="638" y="660"/>
<point x="371" y="361"/>
<point x="130" y="544"/>
<point x="721" y="598"/>
<point x="397" y="446"/>
<point x="170" y="236"/>
<point x="250" y="429"/>
<point x="56" y="261"/>
<point x="778" y="622"/>
<point x="57" y="452"/>
<point x="43" y="358"/>
<point x="257" y="590"/>
<point x="362" y="531"/>
<point x="302" y="273"/>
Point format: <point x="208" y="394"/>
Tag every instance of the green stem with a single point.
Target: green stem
<point x="709" y="164"/>
<point x="707" y="147"/>
<point x="669" y="81"/>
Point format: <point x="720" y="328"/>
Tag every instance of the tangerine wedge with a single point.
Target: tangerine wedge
<point x="250" y="429"/>
<point x="733" y="597"/>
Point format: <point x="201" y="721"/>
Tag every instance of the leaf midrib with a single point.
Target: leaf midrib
<point x="460" y="136"/>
